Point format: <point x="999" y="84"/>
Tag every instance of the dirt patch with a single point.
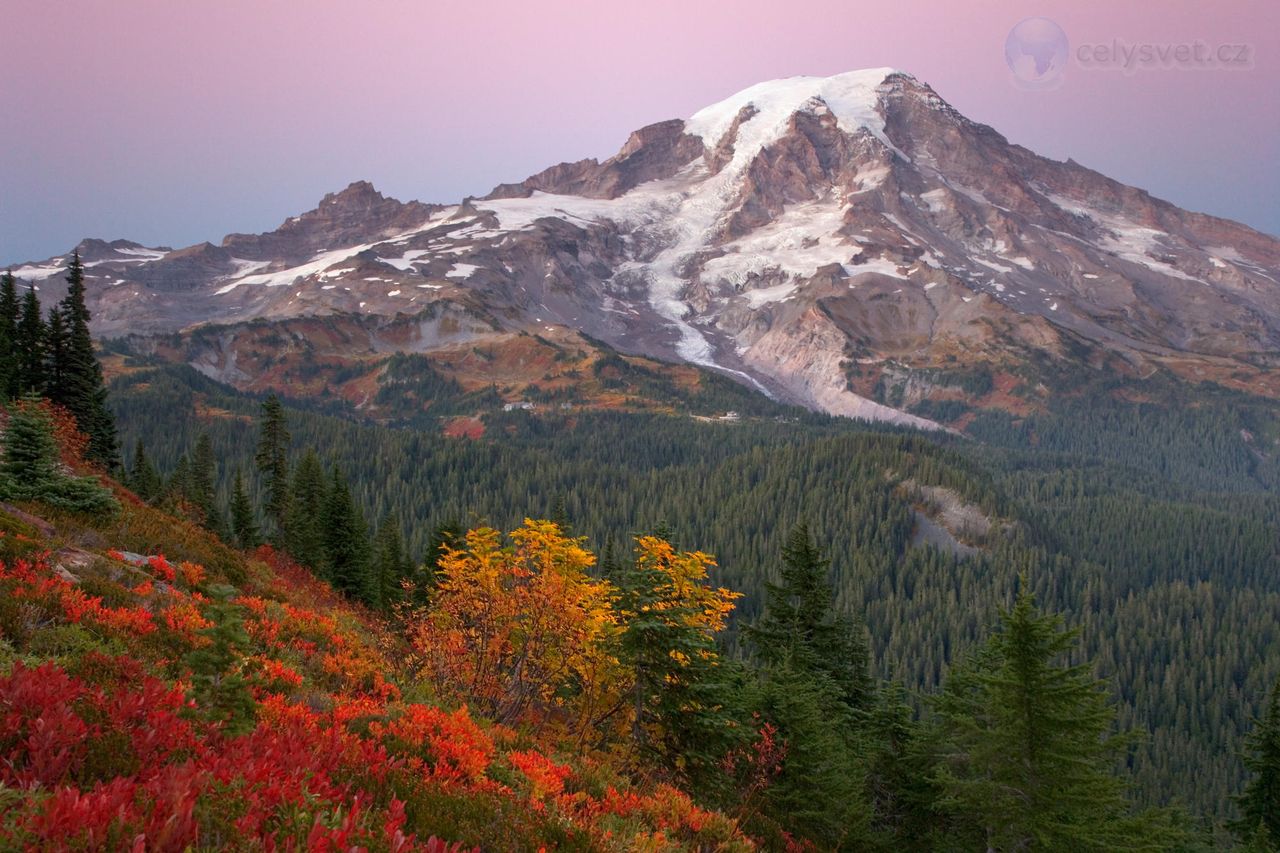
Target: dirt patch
<point x="464" y="427"/>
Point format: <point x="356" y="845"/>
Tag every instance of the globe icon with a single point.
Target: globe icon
<point x="1036" y="51"/>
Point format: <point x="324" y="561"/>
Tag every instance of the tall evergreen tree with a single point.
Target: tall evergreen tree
<point x="273" y="459"/>
<point x="1259" y="824"/>
<point x="1029" y="756"/>
<point x="56" y="365"/>
<point x="447" y="535"/>
<point x="346" y="541"/>
<point x="304" y="530"/>
<point x="30" y="345"/>
<point x="83" y="390"/>
<point x="819" y="793"/>
<point x="815" y="674"/>
<point x="9" y="312"/>
<point x="202" y="474"/>
<point x="391" y="565"/>
<point x="800" y="628"/>
<point x="560" y="516"/>
<point x="143" y="478"/>
<point x="178" y="485"/>
<point x="244" y="527"/>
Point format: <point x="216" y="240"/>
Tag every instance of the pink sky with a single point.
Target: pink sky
<point x="174" y="122"/>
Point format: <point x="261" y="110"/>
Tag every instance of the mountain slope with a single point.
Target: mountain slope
<point x="813" y="238"/>
<point x="109" y="739"/>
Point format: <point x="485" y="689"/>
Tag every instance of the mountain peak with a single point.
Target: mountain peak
<point x="357" y="192"/>
<point x="852" y="98"/>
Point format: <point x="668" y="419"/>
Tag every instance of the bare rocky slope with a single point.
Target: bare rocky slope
<point x="820" y="239"/>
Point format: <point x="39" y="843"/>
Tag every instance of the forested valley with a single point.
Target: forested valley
<point x="1154" y="531"/>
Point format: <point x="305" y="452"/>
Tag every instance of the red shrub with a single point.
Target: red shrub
<point x="42" y="739"/>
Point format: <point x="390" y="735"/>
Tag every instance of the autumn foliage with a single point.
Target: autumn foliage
<point x="524" y="632"/>
<point x="104" y="746"/>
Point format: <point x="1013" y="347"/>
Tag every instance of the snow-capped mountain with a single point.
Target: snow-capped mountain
<point x="811" y="237"/>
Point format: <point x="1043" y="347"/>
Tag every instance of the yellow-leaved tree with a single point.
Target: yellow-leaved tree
<point x="522" y="629"/>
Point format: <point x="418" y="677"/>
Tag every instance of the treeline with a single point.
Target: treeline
<point x="306" y="508"/>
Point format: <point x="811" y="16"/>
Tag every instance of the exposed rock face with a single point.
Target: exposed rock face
<point x="796" y="236"/>
<point x="651" y="153"/>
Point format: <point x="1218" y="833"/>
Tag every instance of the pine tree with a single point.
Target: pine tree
<point x="56" y="365"/>
<point x="304" y="530"/>
<point x="815" y="675"/>
<point x="819" y="793"/>
<point x="82" y="389"/>
<point x="1259" y="824"/>
<point x="143" y="478"/>
<point x="31" y="471"/>
<point x="178" y="485"/>
<point x="218" y="687"/>
<point x="201" y="476"/>
<point x="244" y="527"/>
<point x="346" y="536"/>
<point x="9" y="312"/>
<point x="1029" y="756"/>
<point x="31" y="345"/>
<point x="273" y="459"/>
<point x="390" y="565"/>
<point x="446" y="536"/>
<point x="560" y="516"/>
<point x="800" y="629"/>
<point x="901" y="776"/>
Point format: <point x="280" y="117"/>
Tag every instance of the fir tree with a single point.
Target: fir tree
<point x="815" y="675"/>
<point x="901" y="776"/>
<point x="218" y="687"/>
<point x="390" y="565"/>
<point x="346" y="535"/>
<point x="273" y="459"/>
<point x="1029" y="755"/>
<point x="201" y="476"/>
<point x="143" y="478"/>
<point x="244" y="527"/>
<point x="819" y="793"/>
<point x="1259" y="824"/>
<point x="30" y="345"/>
<point x="304" y="528"/>
<point x="31" y="471"/>
<point x="800" y="629"/>
<point x="83" y="390"/>
<point x="446" y="536"/>
<point x="56" y="364"/>
<point x="178" y="485"/>
<point x="9" y="312"/>
<point x="560" y="516"/>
